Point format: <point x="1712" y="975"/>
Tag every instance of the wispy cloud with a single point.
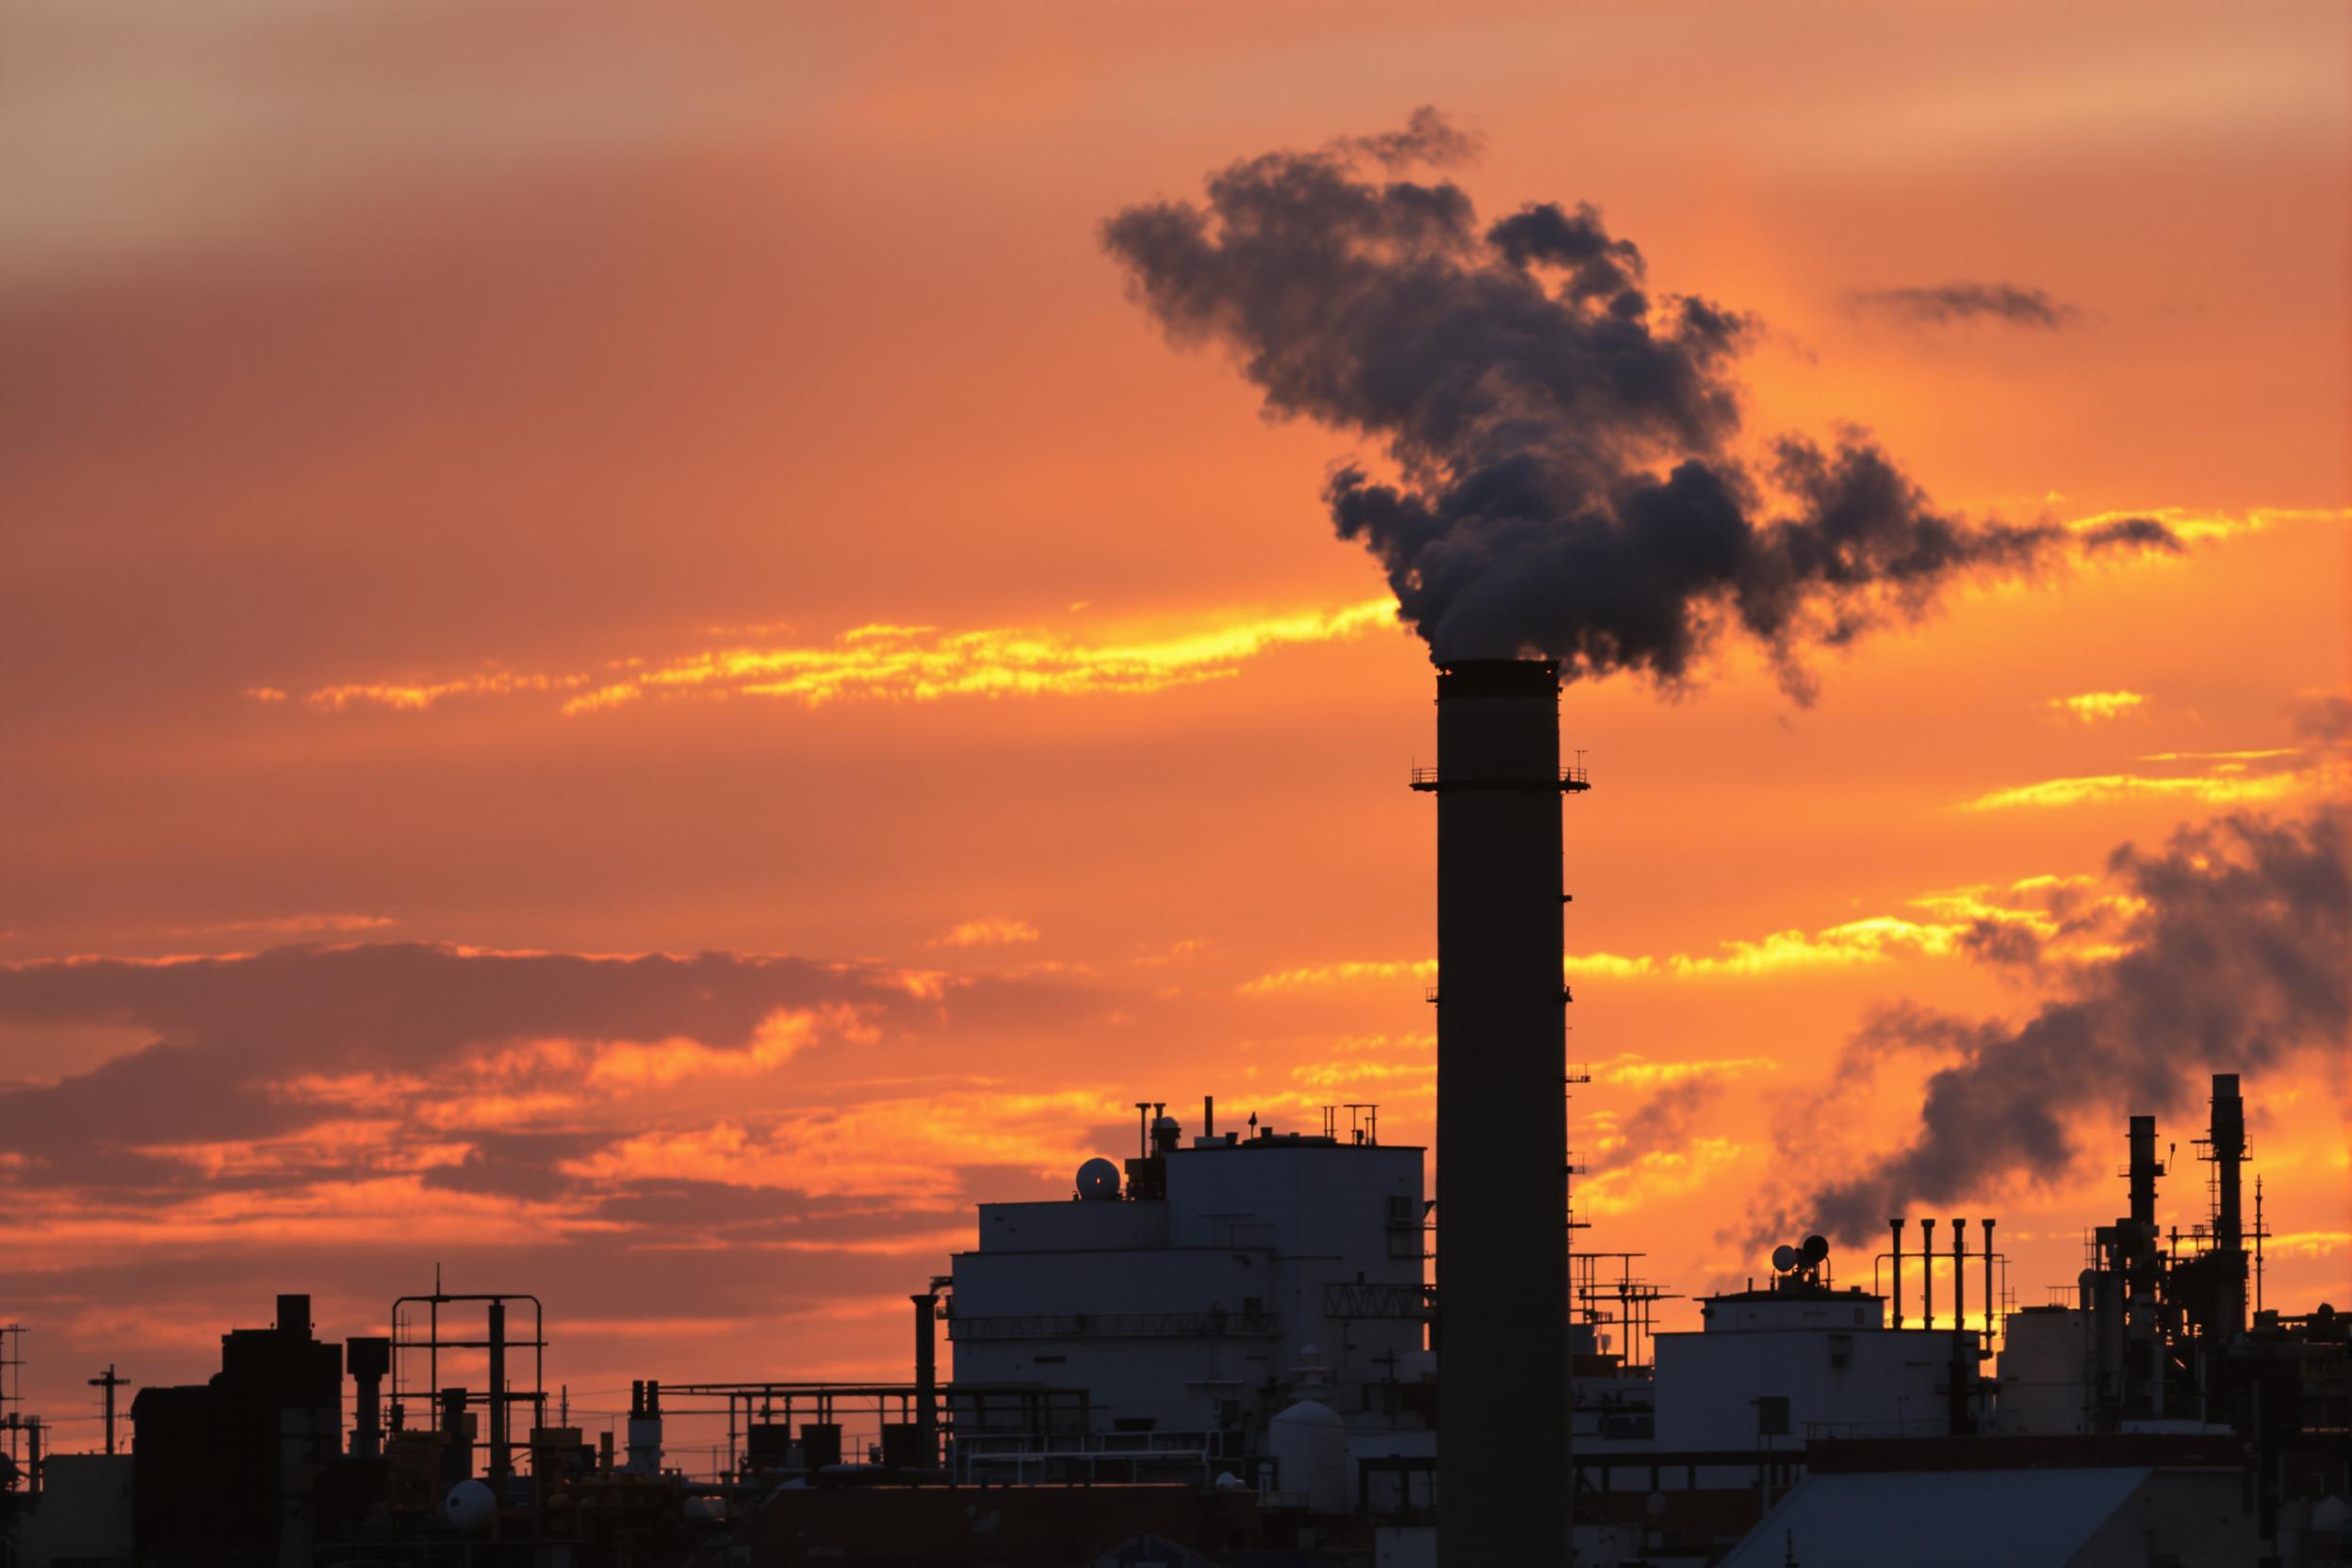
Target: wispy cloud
<point x="416" y="695"/>
<point x="2239" y="778"/>
<point x="2190" y="525"/>
<point x="1953" y="303"/>
<point x="2051" y="913"/>
<point x="287" y="925"/>
<point x="1346" y="972"/>
<point x="987" y="931"/>
<point x="2091" y="707"/>
<point x="898" y="663"/>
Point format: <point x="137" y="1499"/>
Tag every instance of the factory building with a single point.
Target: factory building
<point x="1228" y="1278"/>
<point x="1796" y="1358"/>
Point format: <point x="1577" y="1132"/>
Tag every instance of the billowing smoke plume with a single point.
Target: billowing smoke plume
<point x="2233" y="957"/>
<point x="1560" y="434"/>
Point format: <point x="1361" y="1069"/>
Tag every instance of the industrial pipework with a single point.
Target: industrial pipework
<point x="1503" y="1425"/>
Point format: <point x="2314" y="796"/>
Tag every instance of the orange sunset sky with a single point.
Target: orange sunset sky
<point x="630" y="670"/>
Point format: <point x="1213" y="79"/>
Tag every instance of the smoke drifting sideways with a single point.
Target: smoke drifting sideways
<point x="1566" y="485"/>
<point x="2234" y="960"/>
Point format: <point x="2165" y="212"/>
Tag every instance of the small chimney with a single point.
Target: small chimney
<point x="1989" y="1300"/>
<point x="1927" y="1273"/>
<point x="1896" y="1225"/>
<point x="928" y="1376"/>
<point x="2143" y="1173"/>
<point x="1959" y="1276"/>
<point x="369" y="1360"/>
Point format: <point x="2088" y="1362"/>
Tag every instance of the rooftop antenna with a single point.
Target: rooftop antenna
<point x="2259" y="1233"/>
<point x="109" y="1382"/>
<point x="11" y="1382"/>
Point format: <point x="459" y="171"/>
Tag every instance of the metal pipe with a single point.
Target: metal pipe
<point x="1208" y="1116"/>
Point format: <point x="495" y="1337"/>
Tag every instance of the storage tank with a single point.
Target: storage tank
<point x="1308" y="1444"/>
<point x="2042" y="1365"/>
<point x="468" y="1508"/>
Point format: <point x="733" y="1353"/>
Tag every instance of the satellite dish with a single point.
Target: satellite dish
<point x="1816" y="1248"/>
<point x="1784" y="1257"/>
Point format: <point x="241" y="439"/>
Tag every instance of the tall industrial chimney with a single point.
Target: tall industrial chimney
<point x="1502" y="1154"/>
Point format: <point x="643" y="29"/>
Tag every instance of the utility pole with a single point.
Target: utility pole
<point x="109" y="1382"/>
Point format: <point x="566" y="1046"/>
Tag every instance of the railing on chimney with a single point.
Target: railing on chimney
<point x="1572" y="779"/>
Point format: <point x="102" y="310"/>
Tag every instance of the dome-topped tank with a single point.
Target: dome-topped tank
<point x="468" y="1507"/>
<point x="1098" y="1179"/>
<point x="1308" y="1444"/>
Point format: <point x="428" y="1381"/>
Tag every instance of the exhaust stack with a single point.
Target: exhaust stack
<point x="1503" y="1424"/>
<point x="2227" y="1140"/>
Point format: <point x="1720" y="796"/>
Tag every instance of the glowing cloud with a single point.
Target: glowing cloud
<point x="2091" y="707"/>
<point x="988" y="931"/>
<point x="2187" y="524"/>
<point x="2215" y="789"/>
<point x="2050" y="916"/>
<point x="898" y="663"/>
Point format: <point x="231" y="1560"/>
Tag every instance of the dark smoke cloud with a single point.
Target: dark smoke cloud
<point x="2325" y="717"/>
<point x="2237" y="960"/>
<point x="1559" y="431"/>
<point x="1665" y="1122"/>
<point x="1948" y="303"/>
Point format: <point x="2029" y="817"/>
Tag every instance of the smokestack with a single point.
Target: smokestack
<point x="928" y="1376"/>
<point x="1503" y="1425"/>
<point x="1927" y="1273"/>
<point x="2144" y="1173"/>
<point x="369" y="1360"/>
<point x="457" y="1453"/>
<point x="501" y="1449"/>
<point x="2226" y="1133"/>
<point x="1959" y="1276"/>
<point x="1960" y="1423"/>
<point x="1896" y="1225"/>
<point x="1988" y="1284"/>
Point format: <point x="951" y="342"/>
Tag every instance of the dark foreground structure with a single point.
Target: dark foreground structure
<point x="1227" y="1354"/>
